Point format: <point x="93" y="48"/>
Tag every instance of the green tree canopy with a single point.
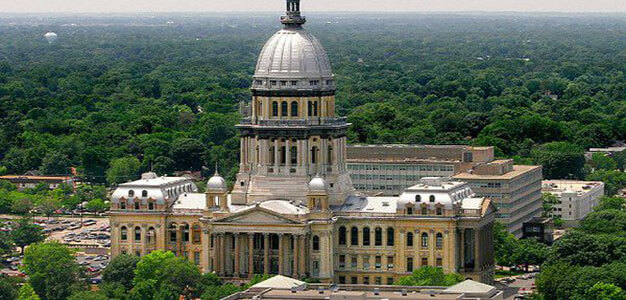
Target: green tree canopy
<point x="26" y="233"/>
<point x="560" y="160"/>
<point x="123" y="169"/>
<point x="52" y="270"/>
<point x="121" y="270"/>
<point x="430" y="276"/>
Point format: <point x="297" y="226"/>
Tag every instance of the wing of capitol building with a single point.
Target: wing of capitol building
<point x="293" y="210"/>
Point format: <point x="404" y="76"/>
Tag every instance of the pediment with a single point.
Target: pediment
<point x="257" y="216"/>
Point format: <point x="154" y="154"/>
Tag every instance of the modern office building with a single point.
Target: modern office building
<point x="576" y="199"/>
<point x="293" y="210"/>
<point x="514" y="189"/>
<point x="389" y="169"/>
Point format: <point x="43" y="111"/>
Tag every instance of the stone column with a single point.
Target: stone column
<point x="222" y="254"/>
<point x="281" y="249"/>
<point x="288" y="155"/>
<point x="179" y="240"/>
<point x="276" y="156"/>
<point x="144" y="237"/>
<point x="131" y="239"/>
<point x="477" y="240"/>
<point x="462" y="237"/>
<point x="237" y="255"/>
<point x="296" y="256"/>
<point x="266" y="253"/>
<point x="301" y="256"/>
<point x="206" y="245"/>
<point x="250" y="255"/>
<point x="115" y="239"/>
<point x="216" y="253"/>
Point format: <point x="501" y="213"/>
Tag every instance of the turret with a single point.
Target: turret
<point x="318" y="195"/>
<point x="217" y="193"/>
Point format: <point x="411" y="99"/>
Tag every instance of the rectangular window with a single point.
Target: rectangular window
<point x="294" y="82"/>
<point x="316" y="268"/>
<point x="342" y="261"/>
<point x="283" y="83"/>
<point x="366" y="262"/>
<point x="366" y="280"/>
<point x="196" y="258"/>
<point x="379" y="280"/>
<point x="273" y="82"/>
<point x="424" y="261"/>
<point x="409" y="264"/>
<point x="439" y="261"/>
<point x="379" y="263"/>
<point x="389" y="280"/>
<point x="354" y="280"/>
<point x="353" y="262"/>
<point x="389" y="262"/>
<point x="342" y="279"/>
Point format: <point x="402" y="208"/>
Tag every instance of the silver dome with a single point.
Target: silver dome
<point x="293" y="59"/>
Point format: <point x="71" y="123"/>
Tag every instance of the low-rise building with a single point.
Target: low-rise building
<point x="388" y="169"/>
<point x="514" y="189"/>
<point x="28" y="182"/>
<point x="280" y="287"/>
<point x="541" y="229"/>
<point x="576" y="199"/>
<point x="609" y="151"/>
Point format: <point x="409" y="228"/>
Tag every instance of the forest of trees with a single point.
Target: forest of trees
<point x="117" y="96"/>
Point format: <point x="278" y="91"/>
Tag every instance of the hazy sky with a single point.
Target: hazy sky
<point x="107" y="6"/>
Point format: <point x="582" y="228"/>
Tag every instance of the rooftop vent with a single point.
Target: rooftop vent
<point x="294" y="289"/>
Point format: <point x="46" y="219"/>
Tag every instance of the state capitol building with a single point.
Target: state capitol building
<point x="293" y="209"/>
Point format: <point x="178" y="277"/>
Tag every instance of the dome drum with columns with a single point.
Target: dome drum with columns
<point x="292" y="210"/>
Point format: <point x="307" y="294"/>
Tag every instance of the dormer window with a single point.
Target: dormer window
<point x="439" y="211"/>
<point x="258" y="82"/>
<point x="294" y="82"/>
<point x="273" y="82"/>
<point x="314" y="82"/>
<point x="283" y="83"/>
<point x="131" y="194"/>
<point x="137" y="205"/>
<point x="122" y="204"/>
<point x="424" y="210"/>
<point x="432" y="198"/>
<point x="409" y="210"/>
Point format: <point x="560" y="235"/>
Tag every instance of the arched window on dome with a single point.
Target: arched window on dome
<point x="284" y="109"/>
<point x="418" y="198"/>
<point x="274" y="109"/>
<point x="144" y="193"/>
<point x="294" y="109"/>
<point x="432" y="198"/>
<point x="131" y="194"/>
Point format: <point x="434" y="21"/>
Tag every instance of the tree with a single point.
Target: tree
<point x="52" y="270"/>
<point x="121" y="270"/>
<point x="123" y="169"/>
<point x="22" y="206"/>
<point x="48" y="206"/>
<point x="218" y="292"/>
<point x="7" y="291"/>
<point x="55" y="163"/>
<point x="87" y="295"/>
<point x="430" y="276"/>
<point x="605" y="291"/>
<point x="26" y="233"/>
<point x="600" y="161"/>
<point x="548" y="201"/>
<point x="505" y="245"/>
<point x="560" y="160"/>
<point x="607" y="221"/>
<point x="166" y="273"/>
<point x="27" y="293"/>
<point x="187" y="154"/>
<point x="96" y="206"/>
<point x="6" y="242"/>
<point x="530" y="252"/>
<point x="615" y="203"/>
<point x="613" y="180"/>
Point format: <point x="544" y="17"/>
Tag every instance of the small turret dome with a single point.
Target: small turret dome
<point x="216" y="183"/>
<point x="317" y="184"/>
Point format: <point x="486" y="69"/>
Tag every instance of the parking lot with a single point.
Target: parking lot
<point x="90" y="238"/>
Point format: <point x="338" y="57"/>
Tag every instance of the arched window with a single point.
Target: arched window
<point x="294" y="155"/>
<point x="197" y="234"/>
<point x="342" y="235"/>
<point x="314" y="155"/>
<point x="272" y="155"/>
<point x="330" y="155"/>
<point x="150" y="204"/>
<point x="294" y="109"/>
<point x="123" y="233"/>
<point x="137" y="234"/>
<point x="439" y="240"/>
<point x="316" y="243"/>
<point x="432" y="198"/>
<point x="390" y="236"/>
<point x="378" y="236"/>
<point x="186" y="233"/>
<point x="274" y="109"/>
<point x="366" y="236"/>
<point x="424" y="240"/>
<point x="284" y="109"/>
<point x="151" y="238"/>
<point x="424" y="210"/>
<point x="418" y="198"/>
<point x="439" y="211"/>
<point x="283" y="155"/>
<point x="173" y="234"/>
<point x="122" y="204"/>
<point x="144" y="193"/>
<point x="409" y="239"/>
<point x="131" y="194"/>
<point x="354" y="236"/>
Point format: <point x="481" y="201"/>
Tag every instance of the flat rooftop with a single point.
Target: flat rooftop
<point x="518" y="170"/>
<point x="366" y="295"/>
<point x="560" y="186"/>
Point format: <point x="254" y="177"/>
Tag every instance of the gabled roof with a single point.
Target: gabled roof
<point x="262" y="214"/>
<point x="280" y="282"/>
<point x="471" y="287"/>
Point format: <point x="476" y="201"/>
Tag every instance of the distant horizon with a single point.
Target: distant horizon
<point x="344" y="6"/>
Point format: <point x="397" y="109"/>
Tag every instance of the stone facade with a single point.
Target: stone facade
<point x="293" y="210"/>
